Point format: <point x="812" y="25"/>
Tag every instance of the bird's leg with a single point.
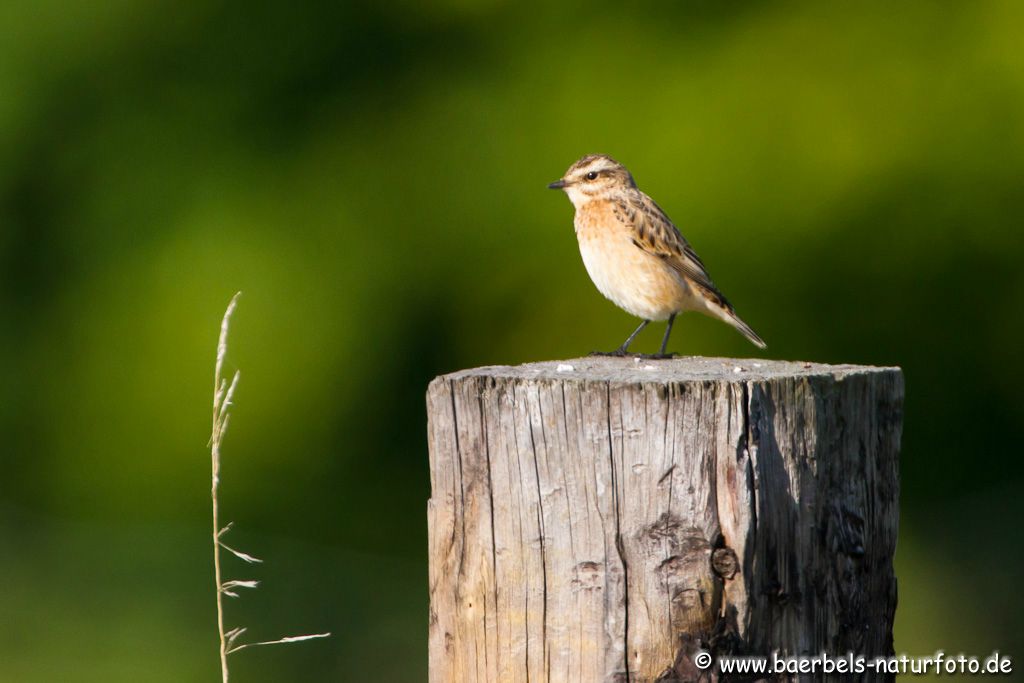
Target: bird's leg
<point x="661" y="355"/>
<point x="624" y="349"/>
<point x="668" y="331"/>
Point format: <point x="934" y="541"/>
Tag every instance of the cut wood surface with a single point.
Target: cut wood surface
<point x="603" y="519"/>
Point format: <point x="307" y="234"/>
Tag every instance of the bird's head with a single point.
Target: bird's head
<point x="595" y="176"/>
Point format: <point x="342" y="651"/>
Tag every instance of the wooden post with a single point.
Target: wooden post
<point x="603" y="519"/>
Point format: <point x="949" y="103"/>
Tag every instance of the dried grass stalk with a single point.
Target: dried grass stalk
<point x="223" y="392"/>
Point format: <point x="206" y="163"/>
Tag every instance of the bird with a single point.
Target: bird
<point x="635" y="255"/>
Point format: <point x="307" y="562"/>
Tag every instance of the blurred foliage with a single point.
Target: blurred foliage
<point x="372" y="177"/>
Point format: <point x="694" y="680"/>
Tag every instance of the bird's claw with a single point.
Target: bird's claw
<point x="620" y="353"/>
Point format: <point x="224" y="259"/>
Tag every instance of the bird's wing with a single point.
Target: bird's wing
<point x="655" y="233"/>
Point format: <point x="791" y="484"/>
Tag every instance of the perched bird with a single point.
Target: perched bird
<point x="635" y="255"/>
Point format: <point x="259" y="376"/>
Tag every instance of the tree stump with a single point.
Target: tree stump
<point x="603" y="519"/>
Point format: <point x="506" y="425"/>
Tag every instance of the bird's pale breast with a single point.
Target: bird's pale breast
<point x="636" y="281"/>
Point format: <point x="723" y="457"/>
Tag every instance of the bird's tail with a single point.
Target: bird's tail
<point x="728" y="315"/>
<point x="719" y="307"/>
<point x="746" y="331"/>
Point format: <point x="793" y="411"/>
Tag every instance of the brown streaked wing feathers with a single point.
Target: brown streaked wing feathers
<point x="657" y="235"/>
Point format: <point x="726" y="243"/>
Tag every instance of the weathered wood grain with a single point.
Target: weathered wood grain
<point x="600" y="519"/>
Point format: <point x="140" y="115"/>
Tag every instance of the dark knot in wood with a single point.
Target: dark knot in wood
<point x="724" y="563"/>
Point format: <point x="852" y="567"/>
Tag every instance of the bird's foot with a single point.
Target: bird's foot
<point x="617" y="353"/>
<point x="622" y="353"/>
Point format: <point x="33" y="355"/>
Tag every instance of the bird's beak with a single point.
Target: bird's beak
<point x="557" y="185"/>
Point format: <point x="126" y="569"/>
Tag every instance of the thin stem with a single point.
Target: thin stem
<point x="223" y="392"/>
<point x="221" y="401"/>
<point x="216" y="571"/>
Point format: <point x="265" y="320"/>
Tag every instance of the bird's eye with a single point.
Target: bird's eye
<point x="592" y="175"/>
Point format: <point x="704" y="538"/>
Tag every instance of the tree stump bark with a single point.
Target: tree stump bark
<point x="603" y="519"/>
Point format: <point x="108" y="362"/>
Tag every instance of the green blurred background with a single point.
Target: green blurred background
<point x="372" y="177"/>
